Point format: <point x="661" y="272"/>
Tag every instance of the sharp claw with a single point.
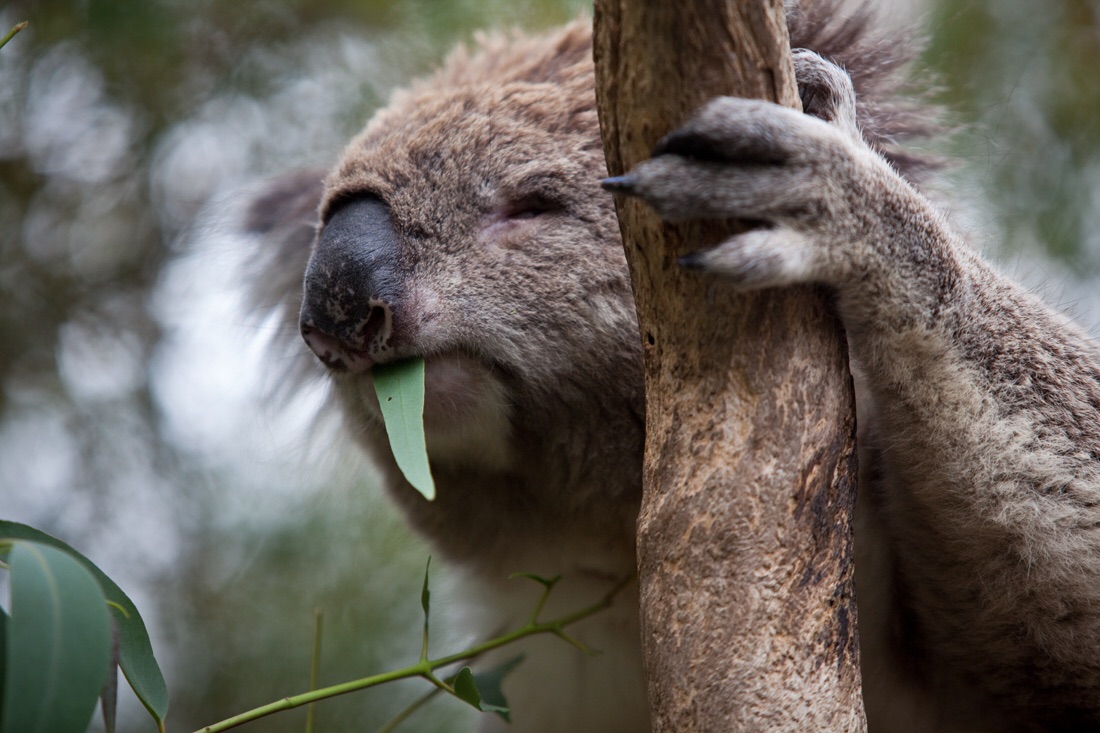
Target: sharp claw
<point x="620" y="184"/>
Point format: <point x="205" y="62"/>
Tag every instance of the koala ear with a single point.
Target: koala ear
<point x="283" y="216"/>
<point x="288" y="200"/>
<point x="282" y="219"/>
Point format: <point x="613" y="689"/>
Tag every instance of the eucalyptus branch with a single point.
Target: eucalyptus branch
<point x="425" y="668"/>
<point x="315" y="665"/>
<point x="547" y="586"/>
<point x="11" y="34"/>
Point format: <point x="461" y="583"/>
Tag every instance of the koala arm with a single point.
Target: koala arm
<point x="986" y="403"/>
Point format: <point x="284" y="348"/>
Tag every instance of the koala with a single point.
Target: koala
<point x="465" y="225"/>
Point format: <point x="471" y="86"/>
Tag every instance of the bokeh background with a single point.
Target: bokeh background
<point x="135" y="421"/>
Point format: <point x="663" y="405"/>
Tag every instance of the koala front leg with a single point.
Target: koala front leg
<point x="986" y="402"/>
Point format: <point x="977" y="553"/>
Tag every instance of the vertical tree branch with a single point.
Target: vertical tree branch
<point x="744" y="546"/>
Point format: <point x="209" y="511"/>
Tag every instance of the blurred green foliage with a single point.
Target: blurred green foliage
<point x="1023" y="79"/>
<point x="121" y="119"/>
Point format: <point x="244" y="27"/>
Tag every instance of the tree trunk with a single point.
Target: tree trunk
<point x="744" y="539"/>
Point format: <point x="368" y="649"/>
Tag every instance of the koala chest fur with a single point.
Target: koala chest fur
<point x="466" y="225"/>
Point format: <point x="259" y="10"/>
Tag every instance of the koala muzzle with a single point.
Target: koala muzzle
<point x="353" y="287"/>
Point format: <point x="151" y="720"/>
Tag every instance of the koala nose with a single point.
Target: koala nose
<point x="349" y="345"/>
<point x="353" y="288"/>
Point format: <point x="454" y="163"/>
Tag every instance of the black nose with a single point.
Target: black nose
<point x="353" y="287"/>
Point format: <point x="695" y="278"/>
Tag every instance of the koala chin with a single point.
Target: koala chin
<point x="465" y="224"/>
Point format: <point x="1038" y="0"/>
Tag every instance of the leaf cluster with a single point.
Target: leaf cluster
<point x="69" y="630"/>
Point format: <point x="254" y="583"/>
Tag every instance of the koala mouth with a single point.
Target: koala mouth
<point x="460" y="390"/>
<point x="467" y="409"/>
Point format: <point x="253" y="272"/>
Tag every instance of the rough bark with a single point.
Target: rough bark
<point x="744" y="544"/>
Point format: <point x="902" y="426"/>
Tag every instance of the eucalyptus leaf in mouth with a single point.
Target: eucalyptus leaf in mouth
<point x="400" y="389"/>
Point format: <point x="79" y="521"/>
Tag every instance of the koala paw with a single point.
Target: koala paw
<point x="756" y="161"/>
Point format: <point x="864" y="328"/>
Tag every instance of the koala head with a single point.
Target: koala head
<point x="466" y="225"/>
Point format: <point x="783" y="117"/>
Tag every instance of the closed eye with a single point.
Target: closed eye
<point x="510" y="224"/>
<point x="532" y="206"/>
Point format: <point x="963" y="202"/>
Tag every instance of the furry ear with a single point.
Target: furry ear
<point x="291" y="196"/>
<point x="892" y="107"/>
<point x="282" y="216"/>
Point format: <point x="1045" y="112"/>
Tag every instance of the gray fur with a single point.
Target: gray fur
<point x="978" y="551"/>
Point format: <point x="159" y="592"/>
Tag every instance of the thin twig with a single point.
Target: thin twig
<point x="315" y="665"/>
<point x="11" y="34"/>
<point x="423" y="668"/>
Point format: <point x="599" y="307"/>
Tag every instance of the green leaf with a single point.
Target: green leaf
<point x="108" y="696"/>
<point x="488" y="683"/>
<point x="466" y="688"/>
<point x="59" y="642"/>
<point x="3" y="654"/>
<point x="482" y="690"/>
<point x="400" y="389"/>
<point x="136" y="651"/>
<point x="425" y="594"/>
